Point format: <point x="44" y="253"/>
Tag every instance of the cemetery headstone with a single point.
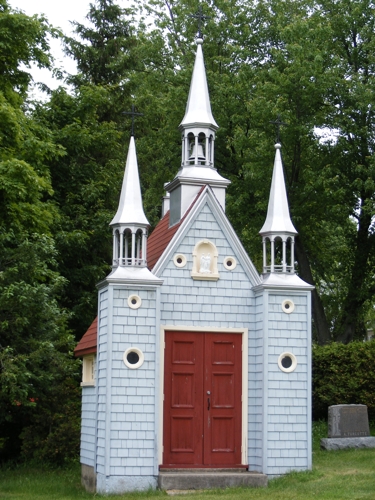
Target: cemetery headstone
<point x="348" y="421"/>
<point x="348" y="427"/>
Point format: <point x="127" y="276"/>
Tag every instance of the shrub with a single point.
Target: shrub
<point x="343" y="374"/>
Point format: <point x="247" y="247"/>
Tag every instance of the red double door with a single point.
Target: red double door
<point x="202" y="399"/>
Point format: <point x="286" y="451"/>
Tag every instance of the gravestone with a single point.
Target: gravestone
<point x="348" y="421"/>
<point x="348" y="427"/>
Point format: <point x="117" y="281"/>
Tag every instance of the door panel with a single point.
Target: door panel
<point x="183" y="425"/>
<point x="202" y="399"/>
<point x="223" y="439"/>
<point x="223" y="379"/>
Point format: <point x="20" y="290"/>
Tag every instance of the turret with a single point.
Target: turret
<point x="278" y="231"/>
<point x="130" y="224"/>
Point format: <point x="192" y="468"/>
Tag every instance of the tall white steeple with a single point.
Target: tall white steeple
<point x="198" y="129"/>
<point x="278" y="231"/>
<point x="130" y="223"/>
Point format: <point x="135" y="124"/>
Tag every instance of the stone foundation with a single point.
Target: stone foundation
<point x="88" y="478"/>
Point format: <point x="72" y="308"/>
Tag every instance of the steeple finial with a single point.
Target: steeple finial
<point x="201" y="17"/>
<point x="278" y="227"/>
<point x="278" y="124"/>
<point x="133" y="114"/>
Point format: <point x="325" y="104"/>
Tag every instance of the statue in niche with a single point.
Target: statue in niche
<point x="205" y="263"/>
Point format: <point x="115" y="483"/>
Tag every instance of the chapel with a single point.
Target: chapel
<point x="197" y="369"/>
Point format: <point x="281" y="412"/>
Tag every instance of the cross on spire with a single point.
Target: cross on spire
<point x="278" y="124"/>
<point x="133" y="114"/>
<point x="201" y="17"/>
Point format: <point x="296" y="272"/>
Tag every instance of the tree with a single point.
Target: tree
<point x="312" y="62"/>
<point x="35" y="345"/>
<point x="352" y="114"/>
<point x="88" y="124"/>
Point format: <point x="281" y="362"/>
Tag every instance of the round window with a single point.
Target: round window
<point x="133" y="358"/>
<point x="287" y="306"/>
<point x="287" y="362"/>
<point x="179" y="260"/>
<point x="134" y="301"/>
<point x="230" y="263"/>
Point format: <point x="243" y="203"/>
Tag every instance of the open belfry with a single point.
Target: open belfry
<point x="197" y="370"/>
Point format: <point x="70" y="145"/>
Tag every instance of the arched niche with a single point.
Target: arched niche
<point x="205" y="261"/>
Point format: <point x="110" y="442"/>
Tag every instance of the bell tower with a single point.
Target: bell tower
<point x="198" y="129"/>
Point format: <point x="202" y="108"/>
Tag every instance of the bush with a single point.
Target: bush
<point x="343" y="374"/>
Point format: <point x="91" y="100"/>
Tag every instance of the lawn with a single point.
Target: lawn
<point x="341" y="475"/>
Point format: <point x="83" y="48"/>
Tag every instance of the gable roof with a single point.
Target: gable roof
<point x="156" y="244"/>
<point x="207" y="195"/>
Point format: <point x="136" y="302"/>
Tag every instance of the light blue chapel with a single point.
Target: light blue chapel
<point x="196" y="362"/>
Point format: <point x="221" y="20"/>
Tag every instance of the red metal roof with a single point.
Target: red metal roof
<point x="159" y="239"/>
<point x="87" y="344"/>
<point x="156" y="244"/>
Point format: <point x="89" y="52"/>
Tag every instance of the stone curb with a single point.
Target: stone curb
<point x="345" y="443"/>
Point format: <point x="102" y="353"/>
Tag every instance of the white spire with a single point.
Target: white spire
<point x="198" y="130"/>
<point x="130" y="209"/>
<point x="198" y="107"/>
<point x="278" y="231"/>
<point x="278" y="218"/>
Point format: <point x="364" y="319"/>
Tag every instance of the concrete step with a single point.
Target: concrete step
<point x="204" y="479"/>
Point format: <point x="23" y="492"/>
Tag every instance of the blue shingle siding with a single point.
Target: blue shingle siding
<point x="278" y="413"/>
<point x="288" y="439"/>
<point x="88" y="426"/>
<point x="126" y="434"/>
<point x="101" y="376"/>
<point x="224" y="303"/>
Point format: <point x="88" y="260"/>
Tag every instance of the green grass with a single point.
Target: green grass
<point x="341" y="475"/>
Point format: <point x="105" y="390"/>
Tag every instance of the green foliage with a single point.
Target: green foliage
<point x="53" y="432"/>
<point x="343" y="374"/>
<point x="35" y="345"/>
<point x="87" y="124"/>
<point x="23" y="39"/>
<point x="103" y="51"/>
<point x="312" y="62"/>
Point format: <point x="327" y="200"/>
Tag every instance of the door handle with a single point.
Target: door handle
<point x="208" y="403"/>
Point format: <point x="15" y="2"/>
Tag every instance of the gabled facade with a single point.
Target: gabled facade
<point x="201" y="363"/>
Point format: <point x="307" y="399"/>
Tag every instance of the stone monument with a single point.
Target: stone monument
<point x="348" y="427"/>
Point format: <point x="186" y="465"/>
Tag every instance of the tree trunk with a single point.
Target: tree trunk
<point x="351" y="319"/>
<point x="320" y="321"/>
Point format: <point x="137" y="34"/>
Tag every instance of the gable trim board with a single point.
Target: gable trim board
<point x="245" y="350"/>
<point x="207" y="197"/>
